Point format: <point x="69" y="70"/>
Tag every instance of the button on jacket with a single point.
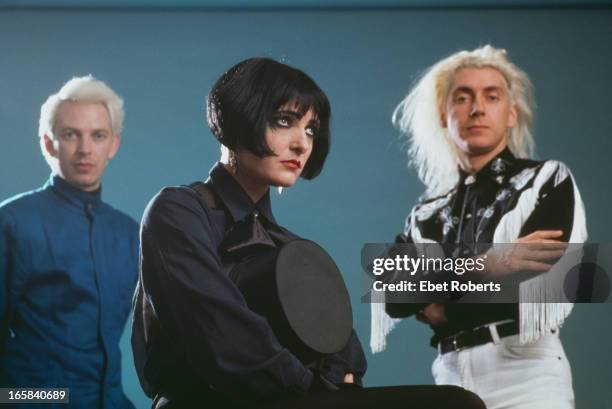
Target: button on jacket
<point x="68" y="267"/>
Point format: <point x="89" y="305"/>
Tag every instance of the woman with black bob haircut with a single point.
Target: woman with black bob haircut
<point x="194" y="336"/>
<point x="246" y="100"/>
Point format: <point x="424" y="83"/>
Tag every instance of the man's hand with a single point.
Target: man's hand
<point x="535" y="252"/>
<point x="433" y="314"/>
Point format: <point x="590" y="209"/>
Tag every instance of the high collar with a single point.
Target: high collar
<point x="497" y="169"/>
<point x="235" y="198"/>
<point x="73" y="195"/>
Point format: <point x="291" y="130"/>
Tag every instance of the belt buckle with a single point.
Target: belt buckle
<point x="456" y="348"/>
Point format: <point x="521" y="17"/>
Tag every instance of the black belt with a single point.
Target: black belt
<point x="477" y="336"/>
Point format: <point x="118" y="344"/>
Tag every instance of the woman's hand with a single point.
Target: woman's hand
<point x="535" y="252"/>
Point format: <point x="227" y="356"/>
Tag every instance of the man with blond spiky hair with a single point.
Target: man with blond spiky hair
<point x="68" y="261"/>
<point x="469" y="126"/>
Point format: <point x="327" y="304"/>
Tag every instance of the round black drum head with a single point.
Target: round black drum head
<point x="313" y="296"/>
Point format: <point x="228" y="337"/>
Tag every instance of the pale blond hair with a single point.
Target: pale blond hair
<point x="85" y="89"/>
<point x="418" y="116"/>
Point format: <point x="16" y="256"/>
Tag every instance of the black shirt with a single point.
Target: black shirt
<point x="198" y="330"/>
<point x="507" y="199"/>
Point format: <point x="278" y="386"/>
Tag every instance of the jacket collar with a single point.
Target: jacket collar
<point x="497" y="169"/>
<point x="73" y="195"/>
<point x="234" y="197"/>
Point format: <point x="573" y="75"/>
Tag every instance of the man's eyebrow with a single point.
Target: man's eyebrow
<point x="76" y="130"/>
<point x="463" y="88"/>
<point x="495" y="88"/>
<point x="68" y="128"/>
<point x="467" y="89"/>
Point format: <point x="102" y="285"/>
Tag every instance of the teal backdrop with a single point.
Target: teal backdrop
<point x="163" y="62"/>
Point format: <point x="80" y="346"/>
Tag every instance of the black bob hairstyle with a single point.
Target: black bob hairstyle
<point x="243" y="102"/>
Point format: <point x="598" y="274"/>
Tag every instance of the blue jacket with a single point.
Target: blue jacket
<point x="68" y="268"/>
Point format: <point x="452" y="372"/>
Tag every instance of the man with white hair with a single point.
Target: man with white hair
<point x="469" y="121"/>
<point x="69" y="261"/>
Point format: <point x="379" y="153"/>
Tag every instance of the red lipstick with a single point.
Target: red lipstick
<point x="292" y="164"/>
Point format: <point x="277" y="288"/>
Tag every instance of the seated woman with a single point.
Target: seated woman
<point x="195" y="340"/>
<point x="201" y="337"/>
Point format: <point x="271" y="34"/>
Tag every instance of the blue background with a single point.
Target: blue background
<point x="163" y="62"/>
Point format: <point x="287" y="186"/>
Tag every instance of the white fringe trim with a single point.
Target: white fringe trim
<point x="381" y="326"/>
<point x="535" y="319"/>
<point x="540" y="319"/>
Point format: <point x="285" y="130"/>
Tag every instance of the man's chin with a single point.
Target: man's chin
<point x="478" y="148"/>
<point x="481" y="144"/>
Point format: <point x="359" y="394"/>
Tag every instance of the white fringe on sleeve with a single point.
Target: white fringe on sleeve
<point x="537" y="319"/>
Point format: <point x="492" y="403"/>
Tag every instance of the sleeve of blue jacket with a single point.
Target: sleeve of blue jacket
<point x="5" y="260"/>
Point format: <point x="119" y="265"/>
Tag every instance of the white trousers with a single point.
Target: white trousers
<point x="508" y="375"/>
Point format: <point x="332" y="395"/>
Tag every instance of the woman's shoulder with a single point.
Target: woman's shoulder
<point x="170" y="196"/>
<point x="176" y="203"/>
